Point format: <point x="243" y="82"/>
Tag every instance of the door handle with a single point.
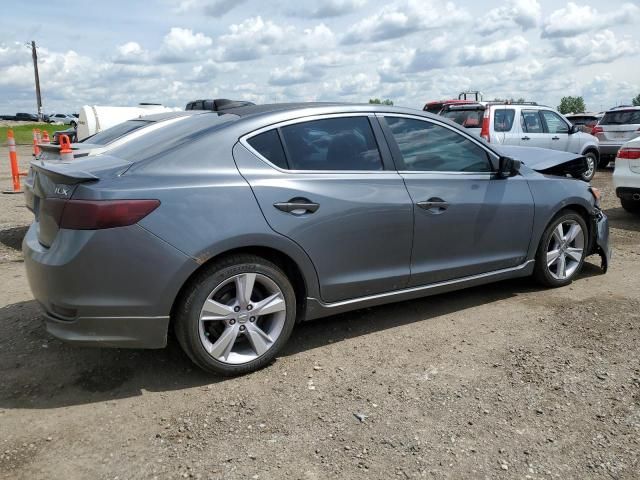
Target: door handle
<point x="555" y="138"/>
<point x="525" y="138"/>
<point x="297" y="206"/>
<point x="434" y="205"/>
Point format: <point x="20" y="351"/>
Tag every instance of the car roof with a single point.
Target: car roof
<point x="158" y="117"/>
<point x="623" y="107"/>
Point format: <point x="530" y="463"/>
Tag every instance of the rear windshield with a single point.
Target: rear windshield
<point x="621" y="117"/>
<point x="466" y="118"/>
<point x="115" y="132"/>
<point x="171" y="137"/>
<point x="503" y="119"/>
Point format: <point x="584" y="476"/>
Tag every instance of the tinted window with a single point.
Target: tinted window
<point x="332" y="144"/>
<point x="268" y="145"/>
<point x="621" y="117"/>
<point x="503" y="119"/>
<point x="466" y="118"/>
<point x="530" y="121"/>
<point x="426" y="146"/>
<point x="115" y="132"/>
<point x="555" y="124"/>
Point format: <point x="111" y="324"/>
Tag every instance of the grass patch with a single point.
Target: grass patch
<point x="24" y="133"/>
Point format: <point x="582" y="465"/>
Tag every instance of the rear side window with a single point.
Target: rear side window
<point x="425" y="146"/>
<point x="331" y="144"/>
<point x="503" y="119"/>
<point x="621" y="117"/>
<point x="269" y="146"/>
<point x="554" y="123"/>
<point x="531" y="122"/>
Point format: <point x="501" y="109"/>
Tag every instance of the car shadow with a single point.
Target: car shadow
<point x="620" y="218"/>
<point x="12" y="237"/>
<point x="40" y="372"/>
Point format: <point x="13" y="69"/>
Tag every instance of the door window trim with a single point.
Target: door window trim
<point x="492" y="157"/>
<point x="382" y="149"/>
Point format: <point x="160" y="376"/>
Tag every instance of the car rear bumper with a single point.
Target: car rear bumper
<point x="121" y="332"/>
<point x="609" y="148"/>
<point x="628" y="193"/>
<point x="112" y="287"/>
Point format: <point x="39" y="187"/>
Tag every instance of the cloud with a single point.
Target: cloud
<point x="299" y="71"/>
<point x="131" y="53"/>
<point x="496" y="52"/>
<point x="254" y="38"/>
<point x="212" y="8"/>
<point x="182" y="45"/>
<point x="331" y="8"/>
<point x="574" y="19"/>
<point x="403" y="18"/>
<point x="601" y="47"/>
<point x="524" y="14"/>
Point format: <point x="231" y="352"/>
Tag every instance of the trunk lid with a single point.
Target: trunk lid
<point x="50" y="184"/>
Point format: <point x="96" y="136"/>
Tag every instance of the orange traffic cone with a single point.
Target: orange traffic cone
<point x="66" y="154"/>
<point x="45" y="137"/>
<point x="36" y="149"/>
<point x="13" y="158"/>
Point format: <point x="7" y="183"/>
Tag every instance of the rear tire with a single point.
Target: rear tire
<point x="631" y="206"/>
<point x="236" y="315"/>
<point x="562" y="250"/>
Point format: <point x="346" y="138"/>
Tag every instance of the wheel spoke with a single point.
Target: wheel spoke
<point x="558" y="233"/>
<point x="272" y="304"/>
<point x="258" y="339"/>
<point x="223" y="346"/>
<point x="244" y="287"/>
<point x="213" y="310"/>
<point x="562" y="266"/>
<point x="573" y="232"/>
<point x="552" y="257"/>
<point x="575" y="253"/>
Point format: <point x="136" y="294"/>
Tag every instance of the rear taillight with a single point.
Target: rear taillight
<point x="99" y="214"/>
<point x="484" y="132"/>
<point x="596" y="130"/>
<point x="629" y="153"/>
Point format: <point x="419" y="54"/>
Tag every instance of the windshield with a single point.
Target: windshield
<point x="115" y="132"/>
<point x="466" y="118"/>
<point x="621" y="117"/>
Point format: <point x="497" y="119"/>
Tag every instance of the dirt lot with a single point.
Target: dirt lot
<point x="501" y="381"/>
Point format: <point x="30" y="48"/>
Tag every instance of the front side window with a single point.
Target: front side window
<point x="555" y="123"/>
<point x="331" y="144"/>
<point x="530" y="121"/>
<point x="503" y="119"/>
<point x="426" y="146"/>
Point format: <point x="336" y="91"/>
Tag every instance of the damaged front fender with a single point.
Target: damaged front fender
<point x="550" y="162"/>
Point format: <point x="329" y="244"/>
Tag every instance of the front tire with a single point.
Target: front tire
<point x="562" y="250"/>
<point x="236" y="315"/>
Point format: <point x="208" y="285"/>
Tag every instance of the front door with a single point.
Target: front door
<point x="467" y="221"/>
<point x="325" y="184"/>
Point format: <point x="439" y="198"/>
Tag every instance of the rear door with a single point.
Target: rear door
<point x="533" y="134"/>
<point x="325" y="183"/>
<point x="467" y="222"/>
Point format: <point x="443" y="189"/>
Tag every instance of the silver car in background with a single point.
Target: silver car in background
<point x="617" y="126"/>
<point x="230" y="228"/>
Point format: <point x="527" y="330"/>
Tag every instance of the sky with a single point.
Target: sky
<point x="410" y="51"/>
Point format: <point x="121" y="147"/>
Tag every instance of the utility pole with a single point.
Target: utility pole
<point x="34" y="54"/>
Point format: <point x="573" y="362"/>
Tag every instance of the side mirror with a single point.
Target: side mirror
<point x="574" y="129"/>
<point x="508" y="167"/>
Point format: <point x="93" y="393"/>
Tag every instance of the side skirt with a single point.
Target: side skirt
<point x="317" y="309"/>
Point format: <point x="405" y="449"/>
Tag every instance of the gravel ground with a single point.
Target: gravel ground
<point x="500" y="381"/>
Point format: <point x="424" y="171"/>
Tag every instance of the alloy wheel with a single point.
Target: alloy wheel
<point x="565" y="249"/>
<point x="242" y="318"/>
<point x="591" y="166"/>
